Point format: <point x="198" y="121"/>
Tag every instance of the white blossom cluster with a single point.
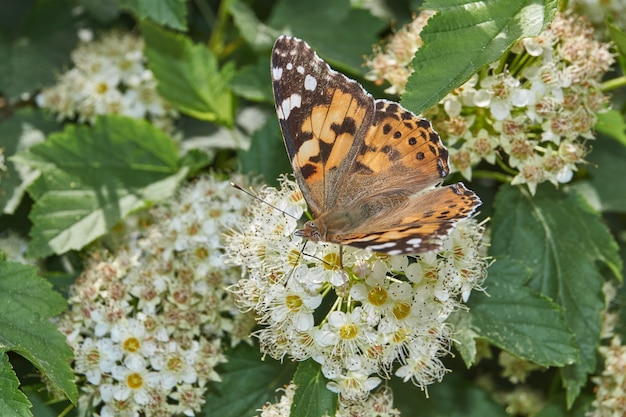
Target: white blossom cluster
<point x="109" y="76"/>
<point x="147" y="323"/>
<point x="379" y="404"/>
<point x="356" y="313"/>
<point x="531" y="113"/>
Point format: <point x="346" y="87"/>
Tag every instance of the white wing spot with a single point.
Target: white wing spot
<point x="382" y="246"/>
<point x="288" y="104"/>
<point x="415" y="242"/>
<point x="310" y="82"/>
<point x="289" y="66"/>
<point x="277" y="73"/>
<point x="300" y="69"/>
<point x="395" y="252"/>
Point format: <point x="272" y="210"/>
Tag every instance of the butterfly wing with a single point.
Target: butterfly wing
<point x="324" y="117"/>
<point x="392" y="202"/>
<point x="400" y="151"/>
<point x="412" y="225"/>
<point x="369" y="170"/>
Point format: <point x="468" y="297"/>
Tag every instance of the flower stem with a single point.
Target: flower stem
<point x="613" y="84"/>
<point x="505" y="167"/>
<point x="498" y="176"/>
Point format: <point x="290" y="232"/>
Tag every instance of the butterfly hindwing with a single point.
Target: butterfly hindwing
<point x="417" y="225"/>
<point x="321" y="113"/>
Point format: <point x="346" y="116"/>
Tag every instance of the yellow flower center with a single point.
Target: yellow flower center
<point x="132" y="344"/>
<point x="377" y="296"/>
<point x="349" y="331"/>
<point x="294" y="303"/>
<point x="400" y="336"/>
<point x="401" y="310"/>
<point x="174" y="364"/>
<point x="134" y="381"/>
<point x="331" y="261"/>
<point x="293" y="257"/>
<point x="101" y="88"/>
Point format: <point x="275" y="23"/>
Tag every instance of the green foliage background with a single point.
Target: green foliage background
<point x="552" y="251"/>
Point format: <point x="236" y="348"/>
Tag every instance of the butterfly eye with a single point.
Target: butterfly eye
<point x="314" y="233"/>
<point x="309" y="231"/>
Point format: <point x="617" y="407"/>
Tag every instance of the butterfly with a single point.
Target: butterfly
<point x="370" y="170"/>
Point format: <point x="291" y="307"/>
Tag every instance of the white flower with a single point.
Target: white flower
<point x="96" y="357"/>
<point x="176" y="365"/>
<point x="131" y="337"/>
<point x="293" y="305"/>
<point x="134" y="382"/>
<point x="147" y="321"/>
<point x="109" y="77"/>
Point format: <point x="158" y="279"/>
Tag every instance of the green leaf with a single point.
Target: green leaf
<point x="348" y="35"/>
<point x="259" y="36"/>
<point x="562" y="240"/>
<point x="453" y="397"/>
<point x="464" y="36"/>
<point x="13" y="402"/>
<point x="464" y="336"/>
<point x="92" y="177"/>
<point x="556" y="406"/>
<point x="247" y="383"/>
<point x="606" y="164"/>
<point x="16" y="134"/>
<point x="28" y="302"/>
<point x="267" y="155"/>
<point x="102" y="10"/>
<point x="37" y="45"/>
<point x="254" y="83"/>
<point x="618" y="37"/>
<point x="189" y="76"/>
<point x="172" y="13"/>
<point x="611" y="123"/>
<point x="510" y="311"/>
<point x="312" y="398"/>
<point x="195" y="160"/>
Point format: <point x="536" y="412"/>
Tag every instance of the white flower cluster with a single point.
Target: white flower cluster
<point x="610" y="390"/>
<point x="393" y="62"/>
<point x="109" y="77"/>
<point x="530" y="112"/>
<point x="598" y="11"/>
<point x="541" y="106"/>
<point x="355" y="312"/>
<point x="147" y="324"/>
<point x="379" y="404"/>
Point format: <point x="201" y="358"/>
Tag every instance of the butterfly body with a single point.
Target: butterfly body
<point x="369" y="170"/>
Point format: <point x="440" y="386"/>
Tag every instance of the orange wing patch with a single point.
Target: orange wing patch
<point x="332" y="128"/>
<point x="400" y="141"/>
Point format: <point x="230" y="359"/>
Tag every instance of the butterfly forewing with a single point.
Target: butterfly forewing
<point x="368" y="169"/>
<point x="321" y="112"/>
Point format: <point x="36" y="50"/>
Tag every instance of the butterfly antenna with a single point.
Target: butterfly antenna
<point x="256" y="197"/>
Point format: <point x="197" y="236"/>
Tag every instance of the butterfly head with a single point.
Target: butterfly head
<point x="312" y="230"/>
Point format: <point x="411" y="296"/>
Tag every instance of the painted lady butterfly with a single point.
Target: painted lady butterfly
<point x="369" y="170"/>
